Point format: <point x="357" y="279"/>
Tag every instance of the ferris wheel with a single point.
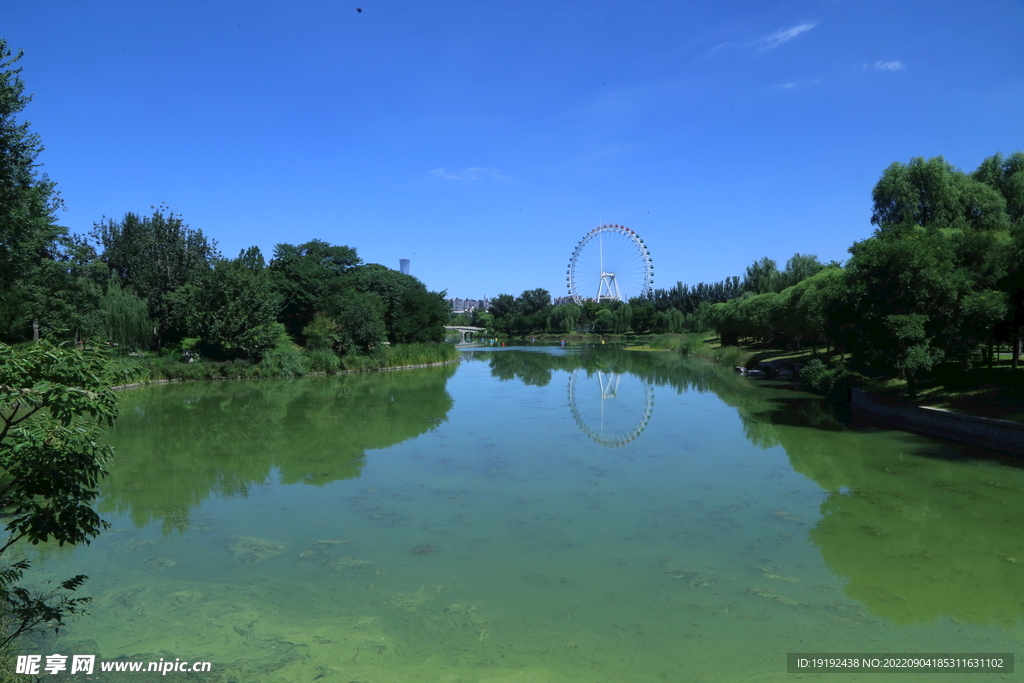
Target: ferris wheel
<point x="612" y="410"/>
<point x="610" y="263"/>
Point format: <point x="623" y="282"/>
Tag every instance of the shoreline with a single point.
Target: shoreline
<point x="1003" y="436"/>
<point x="135" y="385"/>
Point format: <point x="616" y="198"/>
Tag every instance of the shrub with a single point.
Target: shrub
<point x="729" y="356"/>
<point x="322" y="360"/>
<point x="688" y="344"/>
<point x="285" y="359"/>
<point x="833" y="382"/>
<point x="283" y="362"/>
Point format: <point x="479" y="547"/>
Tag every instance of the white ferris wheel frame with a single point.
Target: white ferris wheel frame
<point x="608" y="286"/>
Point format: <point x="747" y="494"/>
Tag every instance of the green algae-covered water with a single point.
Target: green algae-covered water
<point x="535" y="515"/>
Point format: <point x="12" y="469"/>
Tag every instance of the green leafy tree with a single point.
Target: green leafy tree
<point x="155" y="255"/>
<point x="517" y="323"/>
<point x="908" y="294"/>
<point x="622" y="318"/>
<point x="388" y="284"/>
<point x="502" y="305"/>
<point x="354" y="323"/>
<point x="360" y="319"/>
<point x="323" y="334"/>
<point x="483" y="319"/>
<point x="815" y="297"/>
<point x="307" y="276"/>
<point x="29" y="234"/>
<point x="532" y="308"/>
<point x="604" y="321"/>
<point x="62" y="293"/>
<point x="675" y="321"/>
<point x="232" y="309"/>
<point x="1006" y="176"/>
<point x="563" y="318"/>
<point x="911" y="349"/>
<point x="420" y="317"/>
<point x="762" y="276"/>
<point x="798" y="268"/>
<point x="645" y="316"/>
<point x="934" y="193"/>
<point x="761" y="315"/>
<point x="28" y="200"/>
<point x="55" y="403"/>
<point x="124" y="316"/>
<point x="533" y="301"/>
<point x="953" y="233"/>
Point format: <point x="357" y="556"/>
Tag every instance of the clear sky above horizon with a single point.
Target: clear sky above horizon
<point x="482" y="139"/>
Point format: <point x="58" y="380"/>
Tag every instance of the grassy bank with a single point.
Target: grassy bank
<point x="574" y="338"/>
<point x="698" y="345"/>
<point x="290" y="362"/>
<point x="996" y="392"/>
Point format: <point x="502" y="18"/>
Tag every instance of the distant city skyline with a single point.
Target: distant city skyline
<point x="468" y="305"/>
<point x="460" y="305"/>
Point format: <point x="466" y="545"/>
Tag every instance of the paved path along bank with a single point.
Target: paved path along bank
<point x="986" y="432"/>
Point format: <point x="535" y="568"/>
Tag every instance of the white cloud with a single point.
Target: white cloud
<point x="801" y="83"/>
<point x="470" y="173"/>
<point x="783" y="35"/>
<point x="717" y="48"/>
<point x="888" y="66"/>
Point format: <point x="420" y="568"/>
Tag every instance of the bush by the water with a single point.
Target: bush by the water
<point x="693" y="344"/>
<point x="322" y="360"/>
<point x="401" y="355"/>
<point x="730" y="356"/>
<point x="287" y="360"/>
<point x="834" y="382"/>
<point x="687" y="344"/>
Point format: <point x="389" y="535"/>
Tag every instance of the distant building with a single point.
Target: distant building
<point x="403" y="264"/>
<point x="469" y="305"/>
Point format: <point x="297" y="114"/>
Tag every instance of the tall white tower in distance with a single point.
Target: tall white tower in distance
<point x="403" y="263"/>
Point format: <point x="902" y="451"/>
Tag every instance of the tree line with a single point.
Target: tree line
<point x="153" y="282"/>
<point x="941" y="277"/>
<point x="682" y="308"/>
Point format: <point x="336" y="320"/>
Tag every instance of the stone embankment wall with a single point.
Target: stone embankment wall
<point x="998" y="435"/>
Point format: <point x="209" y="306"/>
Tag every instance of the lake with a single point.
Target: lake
<point x="538" y="514"/>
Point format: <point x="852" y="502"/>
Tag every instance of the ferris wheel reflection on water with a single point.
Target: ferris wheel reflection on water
<point x="612" y="408"/>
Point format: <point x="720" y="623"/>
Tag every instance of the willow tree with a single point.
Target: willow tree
<point x="126" y="318"/>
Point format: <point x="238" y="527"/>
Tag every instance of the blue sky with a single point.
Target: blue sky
<point x="483" y="139"/>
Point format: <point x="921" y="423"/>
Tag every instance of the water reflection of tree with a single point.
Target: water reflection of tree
<point x="178" y="444"/>
<point x="757" y="411"/>
<point x="535" y="367"/>
<point x="922" y="534"/>
<point x="918" y="532"/>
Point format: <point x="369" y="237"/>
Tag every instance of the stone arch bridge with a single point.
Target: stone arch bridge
<point x="465" y="331"/>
